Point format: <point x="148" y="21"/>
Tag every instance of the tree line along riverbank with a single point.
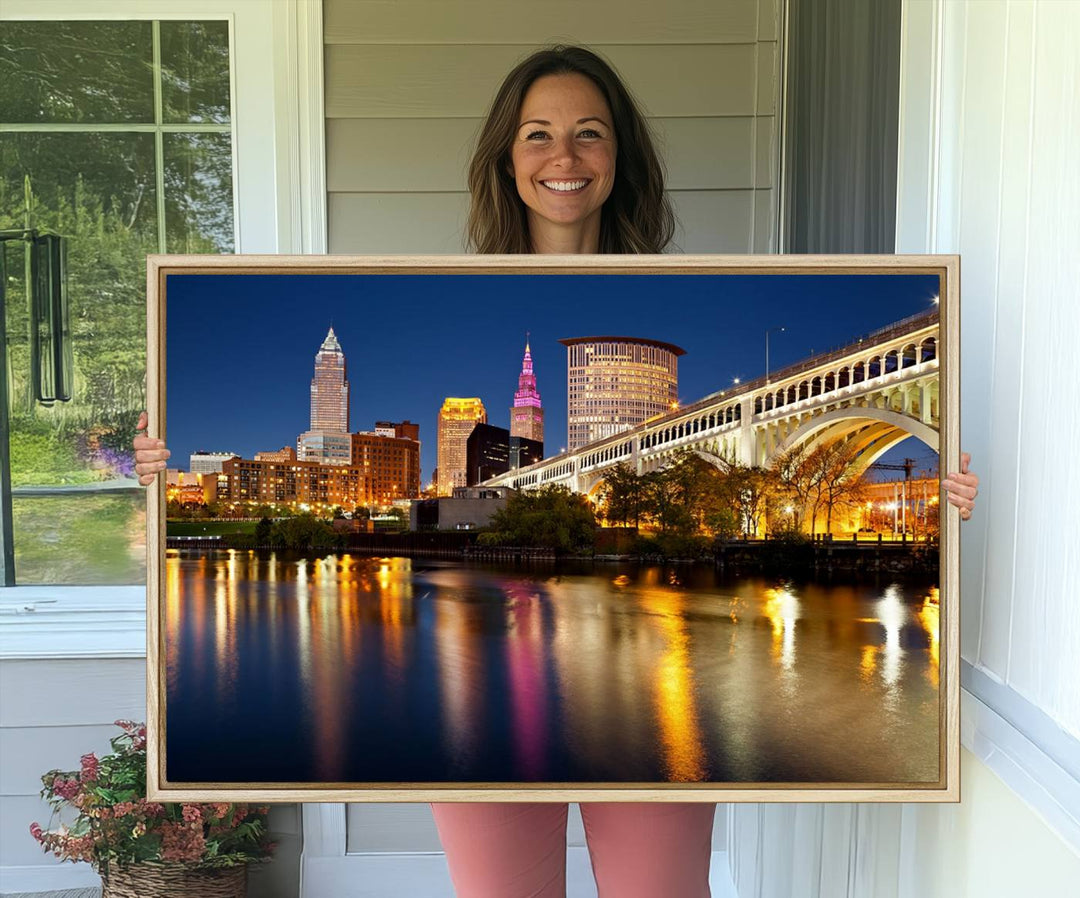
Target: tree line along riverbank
<point x="690" y="511"/>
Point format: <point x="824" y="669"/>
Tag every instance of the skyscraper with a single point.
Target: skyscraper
<point x="329" y="388"/>
<point x="328" y="439"/>
<point x="487" y="453"/>
<point x="524" y="452"/>
<point x="457" y="418"/>
<point x="615" y="383"/>
<point x="527" y="413"/>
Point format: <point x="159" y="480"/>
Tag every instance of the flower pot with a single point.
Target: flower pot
<point x="174" y="881"/>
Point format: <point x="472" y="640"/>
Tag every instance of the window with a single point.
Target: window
<point x="116" y="135"/>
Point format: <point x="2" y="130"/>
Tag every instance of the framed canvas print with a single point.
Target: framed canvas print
<point x="547" y="527"/>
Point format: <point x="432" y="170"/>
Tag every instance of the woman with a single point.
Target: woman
<point x="565" y="164"/>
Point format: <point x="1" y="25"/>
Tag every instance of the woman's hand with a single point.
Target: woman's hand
<point x="962" y="488"/>
<point x="150" y="454"/>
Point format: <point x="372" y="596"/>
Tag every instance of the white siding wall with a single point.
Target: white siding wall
<point x="989" y="150"/>
<point x="991" y="845"/>
<point x="1013" y="210"/>
<point x="407" y="85"/>
<point x="53" y="712"/>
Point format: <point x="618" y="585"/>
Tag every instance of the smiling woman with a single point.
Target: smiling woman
<point x="560" y="118"/>
<point x="563" y="162"/>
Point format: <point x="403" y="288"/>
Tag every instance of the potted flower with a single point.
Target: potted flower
<point x="142" y="847"/>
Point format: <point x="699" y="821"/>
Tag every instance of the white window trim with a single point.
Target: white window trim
<point x="280" y="206"/>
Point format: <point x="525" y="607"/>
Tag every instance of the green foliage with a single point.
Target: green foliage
<point x="97" y="539"/>
<point x="819" y="479"/>
<point x="693" y="495"/>
<point x="790" y="536"/>
<point x="42" y="458"/>
<point x="690" y="496"/>
<point x="263" y="531"/>
<point x="672" y="546"/>
<point x="746" y="491"/>
<point x="304" y="531"/>
<point x="106" y="284"/>
<point x="300" y="532"/>
<point x="723" y="522"/>
<point x="99" y="190"/>
<point x="551" y="517"/>
<point x="192" y="511"/>
<point x="623" y="495"/>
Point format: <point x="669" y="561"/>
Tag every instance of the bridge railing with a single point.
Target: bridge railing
<point x="881" y="335"/>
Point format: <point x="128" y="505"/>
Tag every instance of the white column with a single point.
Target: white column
<point x="747" y="437"/>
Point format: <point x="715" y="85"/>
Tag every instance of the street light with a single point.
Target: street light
<point x="771" y="330"/>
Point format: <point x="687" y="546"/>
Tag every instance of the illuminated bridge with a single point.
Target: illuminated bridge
<point x="876" y="392"/>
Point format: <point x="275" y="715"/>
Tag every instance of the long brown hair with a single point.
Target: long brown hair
<point x="637" y="216"/>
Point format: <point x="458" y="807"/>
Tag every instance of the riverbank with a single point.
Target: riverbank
<point x="775" y="556"/>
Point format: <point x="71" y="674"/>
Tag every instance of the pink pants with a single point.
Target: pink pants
<point x="642" y="850"/>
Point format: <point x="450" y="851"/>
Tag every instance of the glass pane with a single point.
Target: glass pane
<point x="198" y="193"/>
<point x="76" y="72"/>
<point x="97" y="190"/>
<point x="81" y="540"/>
<point x="195" y="71"/>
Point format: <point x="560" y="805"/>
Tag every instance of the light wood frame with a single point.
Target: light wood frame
<point x="947" y="789"/>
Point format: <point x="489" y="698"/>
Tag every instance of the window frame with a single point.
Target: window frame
<point x="276" y="94"/>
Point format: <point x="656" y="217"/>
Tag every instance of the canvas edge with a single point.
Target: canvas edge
<point x="949" y="460"/>
<point x="159" y="266"/>
<point x="155" y="529"/>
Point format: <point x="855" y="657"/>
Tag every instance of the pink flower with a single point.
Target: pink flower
<point x="123" y="808"/>
<point x="181" y="842"/>
<point x="36" y="831"/>
<point x="192" y="814"/>
<point x="150" y="808"/>
<point x="89" y="767"/>
<point x="79" y="848"/>
<point x="65" y="788"/>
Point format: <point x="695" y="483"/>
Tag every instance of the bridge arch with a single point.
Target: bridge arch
<point x="842" y="422"/>
<point x="592" y="486"/>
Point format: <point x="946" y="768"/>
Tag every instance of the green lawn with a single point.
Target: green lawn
<point x="80" y="540"/>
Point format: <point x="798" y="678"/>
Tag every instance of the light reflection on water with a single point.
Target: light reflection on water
<point x="354" y="669"/>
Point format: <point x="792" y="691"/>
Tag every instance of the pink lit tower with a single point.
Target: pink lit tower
<point x="527" y="414"/>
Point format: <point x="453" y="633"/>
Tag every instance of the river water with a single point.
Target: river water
<point x="364" y="670"/>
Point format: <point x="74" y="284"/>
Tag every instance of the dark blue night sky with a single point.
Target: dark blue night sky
<point x="241" y="348"/>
